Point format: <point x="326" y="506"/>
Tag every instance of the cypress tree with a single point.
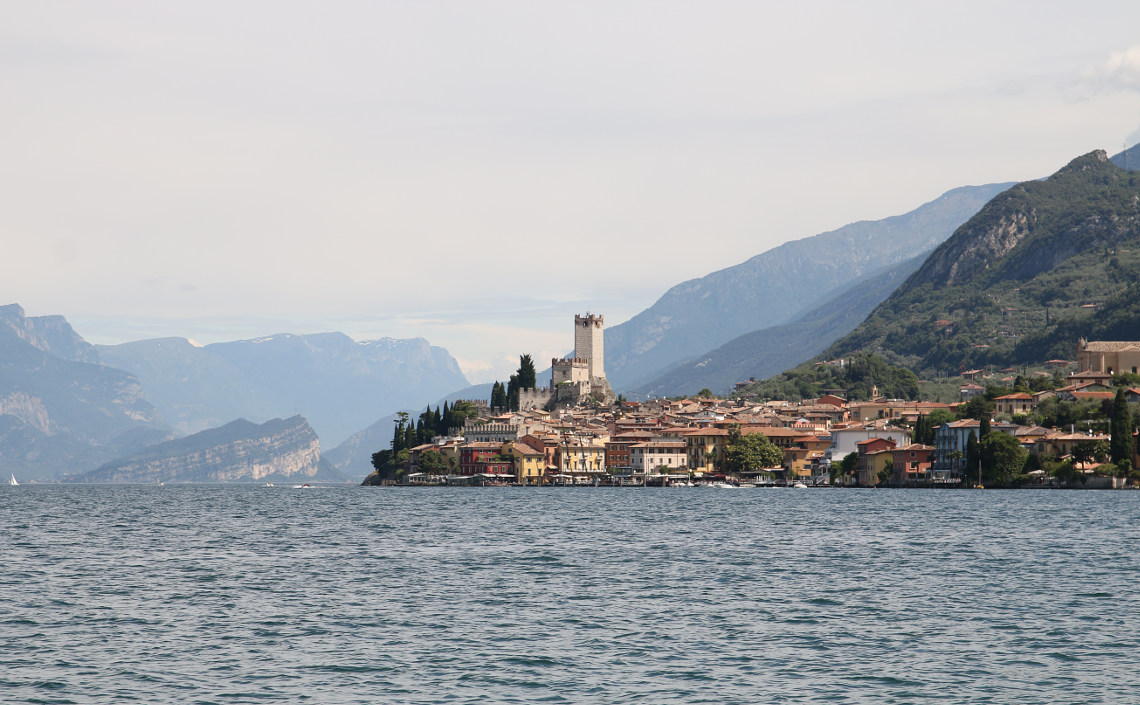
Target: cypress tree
<point x="526" y="372"/>
<point x="923" y="433"/>
<point x="1122" y="447"/>
<point x="973" y="457"/>
<point x="398" y="434"/>
<point x="498" y="396"/>
<point x="984" y="430"/>
<point x="513" y="393"/>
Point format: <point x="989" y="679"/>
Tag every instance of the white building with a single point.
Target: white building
<point x="651" y="455"/>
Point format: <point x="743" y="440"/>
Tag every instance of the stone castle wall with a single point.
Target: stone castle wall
<point x="572" y="369"/>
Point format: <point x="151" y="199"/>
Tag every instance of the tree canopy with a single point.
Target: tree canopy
<point x="750" y="452"/>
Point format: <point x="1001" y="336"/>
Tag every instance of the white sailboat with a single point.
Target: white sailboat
<point x="12" y="481"/>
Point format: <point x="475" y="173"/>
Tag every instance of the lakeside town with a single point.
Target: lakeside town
<point x="576" y="432"/>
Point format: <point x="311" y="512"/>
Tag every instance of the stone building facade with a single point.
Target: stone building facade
<point x="1109" y="356"/>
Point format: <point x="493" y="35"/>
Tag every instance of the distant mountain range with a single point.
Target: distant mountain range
<point x="338" y="384"/>
<point x="67" y="407"/>
<point x="61" y="411"/>
<point x="1041" y="265"/>
<point x="765" y="352"/>
<point x="776" y="287"/>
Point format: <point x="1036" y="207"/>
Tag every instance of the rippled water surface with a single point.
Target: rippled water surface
<point x="222" y="594"/>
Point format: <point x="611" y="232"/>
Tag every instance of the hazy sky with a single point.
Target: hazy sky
<point x="476" y="173"/>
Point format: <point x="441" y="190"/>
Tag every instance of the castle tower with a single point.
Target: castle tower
<point x="588" y="344"/>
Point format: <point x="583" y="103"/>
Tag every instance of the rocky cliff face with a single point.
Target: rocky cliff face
<point x="239" y="451"/>
<point x="49" y="334"/>
<point x="1036" y="226"/>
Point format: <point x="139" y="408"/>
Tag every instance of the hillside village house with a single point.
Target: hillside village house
<point x="1014" y="404"/>
<point x="969" y="391"/>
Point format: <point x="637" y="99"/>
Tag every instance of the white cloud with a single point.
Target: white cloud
<point x="1122" y="69"/>
<point x="1119" y="72"/>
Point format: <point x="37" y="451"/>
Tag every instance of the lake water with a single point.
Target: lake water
<point x="232" y="594"/>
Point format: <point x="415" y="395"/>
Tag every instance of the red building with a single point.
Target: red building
<point x="484" y="459"/>
<point x="910" y="463"/>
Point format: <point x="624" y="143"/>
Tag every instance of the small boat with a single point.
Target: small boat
<point x="800" y="485"/>
<point x="12" y="481"/>
<point x="268" y="484"/>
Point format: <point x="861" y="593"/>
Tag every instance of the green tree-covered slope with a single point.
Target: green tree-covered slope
<point x="1041" y="265"/>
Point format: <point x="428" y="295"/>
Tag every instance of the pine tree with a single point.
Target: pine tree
<point x="1122" y="447"/>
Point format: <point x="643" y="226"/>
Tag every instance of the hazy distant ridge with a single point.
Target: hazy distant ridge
<point x="59" y="411"/>
<point x="338" y="384"/>
<point x="776" y="286"/>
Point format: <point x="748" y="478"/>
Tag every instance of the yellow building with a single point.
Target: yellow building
<point x="529" y="462"/>
<point x="581" y="461"/>
<point x="705" y="449"/>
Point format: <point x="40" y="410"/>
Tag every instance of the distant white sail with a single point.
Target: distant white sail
<point x="13" y="480"/>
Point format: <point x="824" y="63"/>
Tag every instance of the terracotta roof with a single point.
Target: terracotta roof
<point x="526" y="449"/>
<point x="1112" y="346"/>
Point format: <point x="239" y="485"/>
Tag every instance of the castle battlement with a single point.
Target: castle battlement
<point x="589" y="320"/>
<point x="570" y="362"/>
